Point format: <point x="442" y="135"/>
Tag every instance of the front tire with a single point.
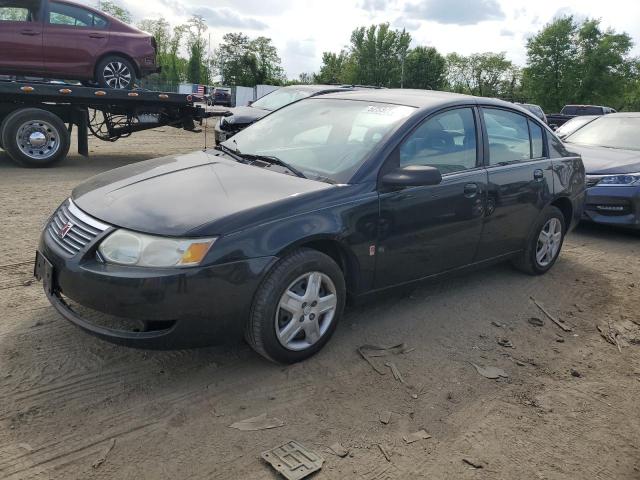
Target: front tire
<point x="297" y="307"/>
<point x="35" y="138"/>
<point x="116" y="72"/>
<point x="544" y="244"/>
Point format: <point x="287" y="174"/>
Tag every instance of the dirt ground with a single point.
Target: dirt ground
<point x="68" y="400"/>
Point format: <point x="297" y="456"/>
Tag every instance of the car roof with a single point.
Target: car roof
<point x="319" y="88"/>
<point x="625" y="114"/>
<point x="417" y="98"/>
<point x="582" y="106"/>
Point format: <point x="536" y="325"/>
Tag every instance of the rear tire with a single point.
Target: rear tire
<point x="115" y="72"/>
<point x="35" y="138"/>
<point x="544" y="243"/>
<point x="297" y="307"/>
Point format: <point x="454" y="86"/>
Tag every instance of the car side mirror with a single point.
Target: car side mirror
<point x="412" y="176"/>
<point x="250" y="102"/>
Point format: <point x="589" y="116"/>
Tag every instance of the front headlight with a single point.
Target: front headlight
<point x="624" y="179"/>
<point x="124" y="247"/>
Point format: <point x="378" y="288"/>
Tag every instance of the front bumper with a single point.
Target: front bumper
<point x="171" y="308"/>
<point x="614" y="205"/>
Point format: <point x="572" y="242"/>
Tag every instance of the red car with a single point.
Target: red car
<point x="62" y="39"/>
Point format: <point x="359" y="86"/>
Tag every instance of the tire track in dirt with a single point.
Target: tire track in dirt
<point x="69" y="449"/>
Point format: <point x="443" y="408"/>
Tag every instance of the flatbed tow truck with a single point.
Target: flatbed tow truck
<point x="37" y="118"/>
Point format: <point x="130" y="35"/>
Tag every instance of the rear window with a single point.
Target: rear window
<point x="589" y="111"/>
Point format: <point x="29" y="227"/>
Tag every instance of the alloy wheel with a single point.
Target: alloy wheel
<point x="305" y="311"/>
<point x="549" y="242"/>
<point x="117" y="75"/>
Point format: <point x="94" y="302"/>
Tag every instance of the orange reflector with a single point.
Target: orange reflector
<point x="27" y="89"/>
<point x="101" y="93"/>
<point x="133" y="94"/>
<point x="64" y="91"/>
<point x="163" y="96"/>
<point x="195" y="253"/>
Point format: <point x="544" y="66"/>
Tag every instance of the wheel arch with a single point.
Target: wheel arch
<point x="129" y="58"/>
<point x="566" y="207"/>
<point x="336" y="250"/>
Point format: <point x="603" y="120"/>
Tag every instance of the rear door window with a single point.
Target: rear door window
<point x="537" y="140"/>
<point x="72" y="16"/>
<point x="508" y="135"/>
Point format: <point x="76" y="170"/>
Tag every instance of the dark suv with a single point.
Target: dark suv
<point x="61" y="39"/>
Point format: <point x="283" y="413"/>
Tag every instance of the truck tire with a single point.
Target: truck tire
<point x="35" y="138"/>
<point x="115" y="72"/>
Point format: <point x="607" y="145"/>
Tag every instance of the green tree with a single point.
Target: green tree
<point x="482" y="74"/>
<point x="115" y="10"/>
<point x="168" y="43"/>
<point x="333" y="69"/>
<point x="198" y="63"/>
<point x="603" y="64"/>
<point x="265" y="64"/>
<point x="378" y="53"/>
<point x="242" y="61"/>
<point x="424" y="68"/>
<point x="632" y="87"/>
<point x="551" y="75"/>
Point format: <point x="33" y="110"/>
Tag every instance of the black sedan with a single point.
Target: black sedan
<point x="346" y="194"/>
<point x="610" y="149"/>
<point x="244" y="116"/>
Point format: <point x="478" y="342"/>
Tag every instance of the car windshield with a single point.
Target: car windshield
<point x="323" y="138"/>
<point x="608" y="131"/>
<point x="573" y="125"/>
<point x="279" y="98"/>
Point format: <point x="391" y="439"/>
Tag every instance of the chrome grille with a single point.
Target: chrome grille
<point x="80" y="228"/>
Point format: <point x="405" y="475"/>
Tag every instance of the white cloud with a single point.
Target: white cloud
<point x="457" y="12"/>
<point x="226" y="17"/>
<point x="303" y="29"/>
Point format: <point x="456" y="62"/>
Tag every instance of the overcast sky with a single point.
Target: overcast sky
<point x="303" y="29"/>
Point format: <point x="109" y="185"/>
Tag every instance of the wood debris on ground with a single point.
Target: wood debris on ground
<point x="558" y="322"/>
<point x="416" y="436"/>
<point x="261" y="422"/>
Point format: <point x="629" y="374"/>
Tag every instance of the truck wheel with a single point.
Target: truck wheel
<point x="115" y="72"/>
<point x="297" y="307"/>
<point x="35" y="138"/>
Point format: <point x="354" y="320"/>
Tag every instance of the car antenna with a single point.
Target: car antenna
<point x="205" y="134"/>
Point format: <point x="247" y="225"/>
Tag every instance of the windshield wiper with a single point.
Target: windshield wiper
<point x="270" y="159"/>
<point x="232" y="153"/>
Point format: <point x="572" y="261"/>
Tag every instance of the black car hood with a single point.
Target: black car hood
<point x="604" y="161"/>
<point x="245" y="115"/>
<point x="176" y="195"/>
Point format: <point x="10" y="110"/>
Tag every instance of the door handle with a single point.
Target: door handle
<point x="538" y="174"/>
<point x="470" y="190"/>
<point x="96" y="35"/>
<point x="31" y="33"/>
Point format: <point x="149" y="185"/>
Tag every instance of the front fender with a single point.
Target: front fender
<point x="352" y="226"/>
